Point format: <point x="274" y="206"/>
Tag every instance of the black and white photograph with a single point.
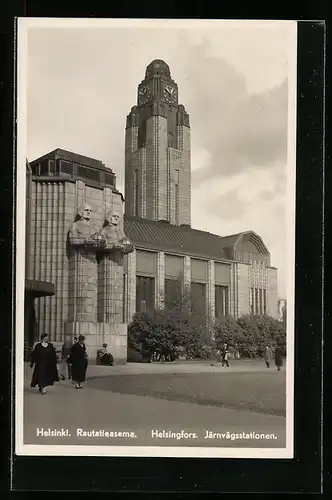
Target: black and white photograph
<point x="155" y="229"/>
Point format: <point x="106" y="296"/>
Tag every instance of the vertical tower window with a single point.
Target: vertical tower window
<point x="136" y="194"/>
<point x="124" y="302"/>
<point x="177" y="196"/>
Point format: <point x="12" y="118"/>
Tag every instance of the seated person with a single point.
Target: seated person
<point x="105" y="358"/>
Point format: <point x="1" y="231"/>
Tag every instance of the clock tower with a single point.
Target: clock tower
<point x="157" y="151"/>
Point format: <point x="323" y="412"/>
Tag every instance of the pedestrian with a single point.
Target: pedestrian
<point x="69" y="365"/>
<point x="224" y="356"/>
<point x="278" y="357"/>
<point x="268" y="355"/>
<point x="64" y="367"/>
<point x="44" y="360"/>
<point x="105" y="358"/>
<point x="79" y="360"/>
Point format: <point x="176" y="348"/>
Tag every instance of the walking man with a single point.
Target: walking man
<point x="224" y="356"/>
<point x="268" y="355"/>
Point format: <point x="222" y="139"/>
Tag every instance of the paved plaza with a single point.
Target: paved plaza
<point x="190" y="400"/>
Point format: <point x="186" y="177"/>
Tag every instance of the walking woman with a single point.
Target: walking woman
<point x="44" y="360"/>
<point x="278" y="357"/>
<point x="79" y="361"/>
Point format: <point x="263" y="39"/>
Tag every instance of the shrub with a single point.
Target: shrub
<point x="134" y="356"/>
<point x="227" y="331"/>
<point x="249" y="335"/>
<point x="167" y="334"/>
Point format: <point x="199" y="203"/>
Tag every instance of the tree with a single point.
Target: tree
<point x="179" y="329"/>
<point x="258" y="331"/>
<point x="270" y="331"/>
<point x="140" y="336"/>
<point x="227" y="331"/>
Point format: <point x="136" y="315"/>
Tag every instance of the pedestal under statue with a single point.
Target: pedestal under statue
<point x="111" y="285"/>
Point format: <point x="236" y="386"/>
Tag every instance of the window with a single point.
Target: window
<point x="264" y="299"/>
<point x="172" y="293"/>
<point x="124" y="302"/>
<point x="176" y="194"/>
<point x="145" y="292"/>
<point x="136" y="194"/>
<point x="256" y="301"/>
<point x="52" y="167"/>
<point x="198" y="297"/>
<point x="88" y="173"/>
<point x="35" y="169"/>
<point x="251" y="300"/>
<point x="44" y="167"/>
<point x="221" y="301"/>
<point x="66" y="168"/>
<point x="260" y="301"/>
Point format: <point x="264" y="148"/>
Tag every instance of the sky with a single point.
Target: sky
<point x="233" y="79"/>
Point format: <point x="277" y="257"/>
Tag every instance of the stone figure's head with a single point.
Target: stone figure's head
<point x="113" y="218"/>
<point x="85" y="211"/>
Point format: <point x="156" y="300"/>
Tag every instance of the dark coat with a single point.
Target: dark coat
<point x="79" y="361"/>
<point x="45" y="372"/>
<point x="278" y="356"/>
<point x="65" y="351"/>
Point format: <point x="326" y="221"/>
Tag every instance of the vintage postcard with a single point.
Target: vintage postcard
<point x="155" y="231"/>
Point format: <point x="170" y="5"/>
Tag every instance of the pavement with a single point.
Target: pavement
<point x="148" y="419"/>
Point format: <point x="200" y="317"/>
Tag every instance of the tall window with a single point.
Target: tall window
<point x="264" y="300"/>
<point x="221" y="301"/>
<point x="198" y="297"/>
<point x="251" y="301"/>
<point x="145" y="292"/>
<point x="124" y="302"/>
<point x="256" y="301"/>
<point x="177" y="196"/>
<point x="136" y="194"/>
<point x="260" y="301"/>
<point x="173" y="293"/>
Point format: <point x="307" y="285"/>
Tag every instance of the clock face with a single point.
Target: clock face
<point x="144" y="94"/>
<point x="170" y="94"/>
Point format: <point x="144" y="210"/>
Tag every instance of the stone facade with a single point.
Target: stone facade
<point x="235" y="277"/>
<point x="55" y="201"/>
<point x="272" y="292"/>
